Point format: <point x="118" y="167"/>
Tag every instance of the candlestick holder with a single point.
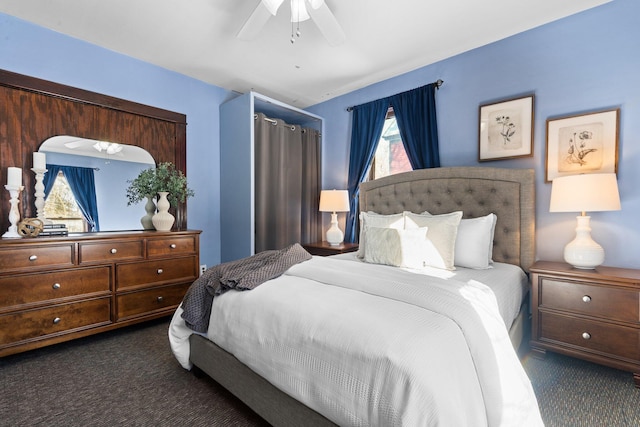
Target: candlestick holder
<point x="39" y="187"/>
<point x="14" y="213"/>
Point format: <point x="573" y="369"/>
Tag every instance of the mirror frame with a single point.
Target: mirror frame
<point x="33" y="110"/>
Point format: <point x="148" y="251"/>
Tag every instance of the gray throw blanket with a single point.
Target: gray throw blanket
<point x="243" y="274"/>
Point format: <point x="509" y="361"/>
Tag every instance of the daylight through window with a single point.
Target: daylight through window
<point x="390" y="157"/>
<point x="61" y="207"/>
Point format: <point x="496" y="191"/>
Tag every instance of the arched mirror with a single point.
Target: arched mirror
<point x="113" y="165"/>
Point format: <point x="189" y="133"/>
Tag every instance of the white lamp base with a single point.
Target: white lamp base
<point x="335" y="236"/>
<point x="583" y="252"/>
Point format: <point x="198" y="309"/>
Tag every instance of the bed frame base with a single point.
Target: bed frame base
<point x="273" y="405"/>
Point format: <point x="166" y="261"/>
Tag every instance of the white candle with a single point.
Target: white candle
<point x="39" y="161"/>
<point x="14" y="177"/>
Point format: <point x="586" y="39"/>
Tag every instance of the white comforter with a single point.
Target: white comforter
<point x="371" y="345"/>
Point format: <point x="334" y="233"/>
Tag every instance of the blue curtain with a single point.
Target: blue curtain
<point x="82" y="184"/>
<point x="415" y="112"/>
<point x="366" y="128"/>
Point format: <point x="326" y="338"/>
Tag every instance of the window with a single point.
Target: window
<point x="61" y="207"/>
<point x="390" y="157"/>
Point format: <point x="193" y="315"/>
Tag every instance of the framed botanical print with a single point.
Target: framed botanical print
<point x="583" y="143"/>
<point x="506" y="129"/>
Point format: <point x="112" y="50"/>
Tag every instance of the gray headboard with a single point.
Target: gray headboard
<point x="477" y="191"/>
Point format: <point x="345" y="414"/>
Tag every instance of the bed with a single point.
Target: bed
<point x="458" y="370"/>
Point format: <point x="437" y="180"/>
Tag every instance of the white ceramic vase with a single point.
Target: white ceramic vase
<point x="147" y="220"/>
<point x="163" y="220"/>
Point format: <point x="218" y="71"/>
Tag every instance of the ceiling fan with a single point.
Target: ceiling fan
<point x="301" y="10"/>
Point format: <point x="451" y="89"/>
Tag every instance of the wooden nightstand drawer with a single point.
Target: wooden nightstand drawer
<point x="592" y="336"/>
<point x="143" y="274"/>
<point x="55" y="319"/>
<point x="145" y="302"/>
<point x="171" y="246"/>
<point x="36" y="257"/>
<point x="589" y="299"/>
<point x="34" y="288"/>
<point x="111" y="251"/>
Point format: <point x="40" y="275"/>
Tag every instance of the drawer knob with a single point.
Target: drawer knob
<point x="586" y="335"/>
<point x="160" y="299"/>
<point x="172" y="246"/>
<point x="56" y="320"/>
<point x="160" y="271"/>
<point x="33" y="257"/>
<point x="56" y="286"/>
<point x="586" y="298"/>
<point x="113" y="250"/>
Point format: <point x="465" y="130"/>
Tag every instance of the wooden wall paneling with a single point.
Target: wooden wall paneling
<point x="115" y="126"/>
<point x="10" y="147"/>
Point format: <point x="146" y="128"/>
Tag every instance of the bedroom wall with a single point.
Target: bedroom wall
<point x="582" y="63"/>
<point x="35" y="51"/>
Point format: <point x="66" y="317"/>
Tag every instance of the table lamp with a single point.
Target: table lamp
<point x="334" y="201"/>
<point x="581" y="193"/>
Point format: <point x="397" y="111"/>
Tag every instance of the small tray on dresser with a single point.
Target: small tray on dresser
<point x="589" y="314"/>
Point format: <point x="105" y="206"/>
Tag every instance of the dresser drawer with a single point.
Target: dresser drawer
<point x="594" y="336"/>
<point x="143" y="274"/>
<point x="57" y="319"/>
<point x="148" y="301"/>
<point x="183" y="245"/>
<point x="593" y="300"/>
<point x="19" y="258"/>
<point x="33" y="288"/>
<point x="111" y="251"/>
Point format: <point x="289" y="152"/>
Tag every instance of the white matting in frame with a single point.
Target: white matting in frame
<point x="584" y="143"/>
<point x="506" y="129"/>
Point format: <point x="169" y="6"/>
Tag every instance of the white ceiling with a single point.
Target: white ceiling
<point x="384" y="38"/>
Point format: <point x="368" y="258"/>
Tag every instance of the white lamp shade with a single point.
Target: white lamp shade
<point x="585" y="193"/>
<point x="334" y="201"/>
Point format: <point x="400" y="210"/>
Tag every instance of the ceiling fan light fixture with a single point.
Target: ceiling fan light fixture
<point x="299" y="11"/>
<point x="315" y="4"/>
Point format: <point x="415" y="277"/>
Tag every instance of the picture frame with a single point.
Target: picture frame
<point x="582" y="143"/>
<point x="506" y="129"/>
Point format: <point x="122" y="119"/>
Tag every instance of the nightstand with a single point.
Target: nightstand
<point x="325" y="249"/>
<point x="589" y="314"/>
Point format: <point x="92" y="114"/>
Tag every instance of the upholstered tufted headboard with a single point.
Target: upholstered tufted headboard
<point x="477" y="191"/>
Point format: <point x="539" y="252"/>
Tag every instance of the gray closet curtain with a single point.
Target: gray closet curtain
<point x="287" y="184"/>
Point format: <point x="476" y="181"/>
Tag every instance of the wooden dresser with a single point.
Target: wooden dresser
<point x="58" y="289"/>
<point x="590" y="314"/>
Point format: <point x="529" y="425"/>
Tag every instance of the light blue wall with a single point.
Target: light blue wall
<point x="35" y="51"/>
<point x="585" y="62"/>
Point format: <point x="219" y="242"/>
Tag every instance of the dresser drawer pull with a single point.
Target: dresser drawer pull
<point x="56" y="320"/>
<point x="586" y="335"/>
<point x="33" y="257"/>
<point x="160" y="271"/>
<point x="56" y="286"/>
<point x="586" y="298"/>
<point x="160" y="299"/>
<point x="172" y="246"/>
<point x="113" y="250"/>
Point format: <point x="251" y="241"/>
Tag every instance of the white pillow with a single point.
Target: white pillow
<point x="442" y="232"/>
<point x="474" y="242"/>
<point x="372" y="219"/>
<point x="400" y="248"/>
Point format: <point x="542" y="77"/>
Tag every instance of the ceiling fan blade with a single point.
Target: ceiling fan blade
<point x="326" y="22"/>
<point x="74" y="144"/>
<point x="256" y="21"/>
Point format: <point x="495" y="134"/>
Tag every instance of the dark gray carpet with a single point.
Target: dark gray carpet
<point x="130" y="378"/>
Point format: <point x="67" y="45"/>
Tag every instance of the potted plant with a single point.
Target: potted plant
<point x="165" y="181"/>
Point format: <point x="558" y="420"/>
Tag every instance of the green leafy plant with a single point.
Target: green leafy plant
<point x="164" y="177"/>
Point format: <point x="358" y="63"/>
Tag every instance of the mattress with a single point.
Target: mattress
<point x="374" y="345"/>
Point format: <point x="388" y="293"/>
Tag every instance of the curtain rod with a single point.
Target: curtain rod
<point x="438" y="83"/>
